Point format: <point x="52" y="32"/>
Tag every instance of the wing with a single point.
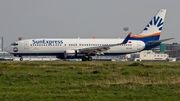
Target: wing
<point x="101" y="49"/>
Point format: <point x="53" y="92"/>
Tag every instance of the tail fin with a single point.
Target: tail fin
<point x="153" y="29"/>
<point x="151" y="33"/>
<point x="156" y="23"/>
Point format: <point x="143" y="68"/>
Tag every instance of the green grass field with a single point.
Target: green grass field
<point x="89" y="81"/>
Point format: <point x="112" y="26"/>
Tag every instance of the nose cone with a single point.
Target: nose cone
<point x="8" y="49"/>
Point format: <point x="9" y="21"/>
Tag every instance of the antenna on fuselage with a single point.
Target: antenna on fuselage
<point x="126" y="29"/>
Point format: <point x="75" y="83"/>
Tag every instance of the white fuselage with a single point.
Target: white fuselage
<point x="58" y="46"/>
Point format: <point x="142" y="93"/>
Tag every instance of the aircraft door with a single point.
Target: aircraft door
<point x="26" y="45"/>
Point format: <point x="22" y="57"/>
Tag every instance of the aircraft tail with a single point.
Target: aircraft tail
<point x="153" y="29"/>
<point x="156" y="23"/>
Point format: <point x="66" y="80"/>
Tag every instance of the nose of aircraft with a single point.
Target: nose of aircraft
<point x="7" y="49"/>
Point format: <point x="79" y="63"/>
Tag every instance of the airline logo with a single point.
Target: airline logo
<point x="157" y="22"/>
<point x="15" y="49"/>
<point x="43" y="41"/>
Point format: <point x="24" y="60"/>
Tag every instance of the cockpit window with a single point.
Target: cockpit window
<point x="14" y="44"/>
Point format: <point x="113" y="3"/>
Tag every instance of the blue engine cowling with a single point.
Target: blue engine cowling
<point x="72" y="54"/>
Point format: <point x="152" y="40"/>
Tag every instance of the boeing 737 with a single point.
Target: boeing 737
<point x="86" y="48"/>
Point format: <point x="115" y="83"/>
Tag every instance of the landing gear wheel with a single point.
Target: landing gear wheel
<point x="21" y="59"/>
<point x="89" y="58"/>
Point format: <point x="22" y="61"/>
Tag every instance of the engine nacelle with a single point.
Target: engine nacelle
<point x="71" y="54"/>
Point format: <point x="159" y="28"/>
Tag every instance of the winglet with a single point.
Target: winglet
<point x="127" y="38"/>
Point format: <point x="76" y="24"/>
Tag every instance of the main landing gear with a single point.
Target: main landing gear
<point x="87" y="58"/>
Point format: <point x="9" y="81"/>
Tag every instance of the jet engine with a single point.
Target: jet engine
<point x="71" y="54"/>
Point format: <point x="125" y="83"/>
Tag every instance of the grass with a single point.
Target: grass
<point x="88" y="81"/>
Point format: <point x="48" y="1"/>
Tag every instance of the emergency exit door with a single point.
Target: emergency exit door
<point x="26" y="45"/>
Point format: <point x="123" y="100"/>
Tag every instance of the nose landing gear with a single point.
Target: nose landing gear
<point x="21" y="58"/>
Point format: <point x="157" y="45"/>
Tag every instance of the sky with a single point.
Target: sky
<point x="84" y="18"/>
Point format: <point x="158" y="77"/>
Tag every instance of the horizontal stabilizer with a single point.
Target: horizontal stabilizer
<point x="159" y="41"/>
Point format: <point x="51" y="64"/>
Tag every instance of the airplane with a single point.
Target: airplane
<point x="82" y="48"/>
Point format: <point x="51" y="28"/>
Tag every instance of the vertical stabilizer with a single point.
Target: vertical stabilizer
<point x="156" y="23"/>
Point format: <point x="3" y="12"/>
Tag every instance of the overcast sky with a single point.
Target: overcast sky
<point x="83" y="18"/>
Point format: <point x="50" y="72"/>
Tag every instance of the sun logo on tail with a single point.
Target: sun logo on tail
<point x="155" y="22"/>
